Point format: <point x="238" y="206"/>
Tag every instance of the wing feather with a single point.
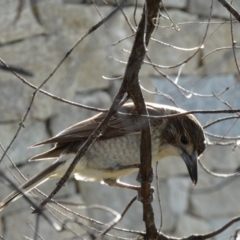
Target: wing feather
<point x="118" y="125"/>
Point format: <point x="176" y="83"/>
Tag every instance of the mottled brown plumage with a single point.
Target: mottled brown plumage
<point x="116" y="152"/>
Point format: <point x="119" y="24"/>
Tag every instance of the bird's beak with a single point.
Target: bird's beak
<point x="191" y="162"/>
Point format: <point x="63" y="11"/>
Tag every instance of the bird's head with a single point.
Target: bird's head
<point x="185" y="137"/>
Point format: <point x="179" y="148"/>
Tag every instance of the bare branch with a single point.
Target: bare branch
<point x="118" y="219"/>
<point x="219" y="120"/>
<point x="231" y="9"/>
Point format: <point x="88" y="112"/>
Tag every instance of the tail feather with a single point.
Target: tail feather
<point x="50" y="154"/>
<point x="50" y="140"/>
<point x="31" y="184"/>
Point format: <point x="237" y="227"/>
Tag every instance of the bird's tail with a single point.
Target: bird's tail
<point x="31" y="183"/>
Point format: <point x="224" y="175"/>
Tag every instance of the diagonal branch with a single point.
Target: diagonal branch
<point x="91" y="139"/>
<point x="231" y="9"/>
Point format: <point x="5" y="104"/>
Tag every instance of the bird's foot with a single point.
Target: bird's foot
<point x="115" y="183"/>
<point x="148" y="199"/>
<point x="147" y="181"/>
<point x="141" y="180"/>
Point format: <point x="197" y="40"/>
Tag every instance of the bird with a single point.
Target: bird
<point x="117" y="150"/>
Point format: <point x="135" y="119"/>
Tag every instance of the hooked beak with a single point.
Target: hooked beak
<point x="191" y="162"/>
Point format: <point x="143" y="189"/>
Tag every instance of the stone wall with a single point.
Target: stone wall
<point x="41" y="36"/>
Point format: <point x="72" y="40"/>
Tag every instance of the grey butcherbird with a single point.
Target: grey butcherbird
<point x="116" y="153"/>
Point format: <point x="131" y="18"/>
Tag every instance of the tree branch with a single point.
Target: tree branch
<point x="230" y="8"/>
<point x="131" y="86"/>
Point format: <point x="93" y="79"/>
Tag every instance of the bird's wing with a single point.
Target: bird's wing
<point x="120" y="124"/>
<point x="125" y="122"/>
<point x="81" y="131"/>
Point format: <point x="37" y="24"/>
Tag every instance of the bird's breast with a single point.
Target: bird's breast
<point x="113" y="158"/>
<point x="117" y="152"/>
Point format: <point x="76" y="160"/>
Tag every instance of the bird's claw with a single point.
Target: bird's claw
<point x="148" y="199"/>
<point x="141" y="180"/>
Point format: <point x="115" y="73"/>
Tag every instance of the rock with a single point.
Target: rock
<point x="189" y="35"/>
<point x="14" y="27"/>
<point x="202" y="8"/>
<point x="218" y="223"/>
<point x="202" y="89"/>
<point x="114" y="199"/>
<point x="169" y="216"/>
<point x="127" y="3"/>
<point x="221" y="159"/>
<point x="77" y="206"/>
<point x="48" y="57"/>
<point x="33" y="132"/>
<point x="71" y="22"/>
<point x="181" y="4"/>
<point x="188" y="225"/>
<point x="19" y="153"/>
<point x="117" y="199"/>
<point x="47" y="187"/>
<point x="211" y="194"/>
<point x="39" y="48"/>
<point x="72" y="1"/>
<point x="179" y="190"/>
<point x="172" y="167"/>
<point x="146" y="83"/>
<point x="169" y="3"/>
<point x="19" y="222"/>
<point x="221" y="61"/>
<point x="71" y="114"/>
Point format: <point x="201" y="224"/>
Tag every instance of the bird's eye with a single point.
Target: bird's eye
<point x="184" y="140"/>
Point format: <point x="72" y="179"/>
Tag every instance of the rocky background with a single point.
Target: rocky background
<point x="42" y="35"/>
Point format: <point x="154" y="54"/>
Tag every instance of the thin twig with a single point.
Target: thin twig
<point x="234" y="46"/>
<point x="52" y="95"/>
<point x="92" y="29"/>
<point x="36" y="234"/>
<point x="176" y="47"/>
<point x="134" y="13"/>
<point x="219" y="175"/>
<point x="101" y="128"/>
<point x="118" y="219"/>
<point x="27" y="198"/>
<point x="219" y="49"/>
<point x="159" y="199"/>
<point x="219" y="120"/>
<point x="221" y="136"/>
<point x="217" y="187"/>
<point x="202" y="236"/>
<point x="145" y="26"/>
